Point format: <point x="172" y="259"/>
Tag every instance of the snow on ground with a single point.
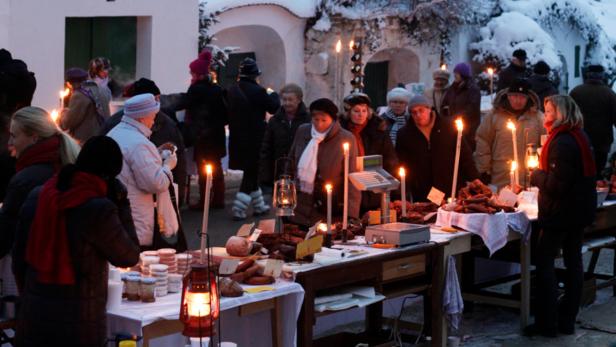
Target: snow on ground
<point x="301" y="8"/>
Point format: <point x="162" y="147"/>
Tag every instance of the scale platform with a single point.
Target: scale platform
<point x="399" y="234"/>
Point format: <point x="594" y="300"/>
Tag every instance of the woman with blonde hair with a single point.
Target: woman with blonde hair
<point x="567" y="202"/>
<point x="41" y="149"/>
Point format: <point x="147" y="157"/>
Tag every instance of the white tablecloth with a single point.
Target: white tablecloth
<point x="253" y="330"/>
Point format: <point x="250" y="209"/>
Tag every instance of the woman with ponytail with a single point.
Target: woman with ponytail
<point x="41" y="149"/>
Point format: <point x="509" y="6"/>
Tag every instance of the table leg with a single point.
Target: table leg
<point x="275" y="315"/>
<point x="306" y="319"/>
<point x="439" y="324"/>
<point x="524" y="283"/>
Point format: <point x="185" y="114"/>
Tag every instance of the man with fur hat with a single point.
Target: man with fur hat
<point x="248" y="102"/>
<point x="463" y="98"/>
<point x="396" y="115"/>
<point x="540" y="82"/>
<point x="436" y="94"/>
<point x="516" y="69"/>
<point x="597" y="103"/>
<point x="494" y="152"/>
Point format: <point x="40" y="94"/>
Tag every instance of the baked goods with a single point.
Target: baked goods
<point x="238" y="246"/>
<point x="230" y="288"/>
<point x="476" y="197"/>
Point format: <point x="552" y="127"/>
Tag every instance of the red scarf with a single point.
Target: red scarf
<point x="582" y="142"/>
<point x="48" y="249"/>
<point x="44" y="151"/>
<point x="356" y="129"/>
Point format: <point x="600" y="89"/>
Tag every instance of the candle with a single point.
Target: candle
<point x="514" y="168"/>
<point x="206" y="209"/>
<point x="54" y="116"/>
<point x="402" y="173"/>
<point x="345" y="211"/>
<point x="63" y="94"/>
<point x="491" y="73"/>
<point x="351" y="44"/>
<point x="460" y="127"/>
<point x="514" y="139"/>
<point x="336" y="73"/>
<point x="444" y="67"/>
<point x="328" y="189"/>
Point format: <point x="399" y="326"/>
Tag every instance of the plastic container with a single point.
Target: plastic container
<point x="132" y="287"/>
<point x="148" y="285"/>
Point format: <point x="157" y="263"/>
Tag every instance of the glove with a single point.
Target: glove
<point x="486" y="178"/>
<point x="170" y="159"/>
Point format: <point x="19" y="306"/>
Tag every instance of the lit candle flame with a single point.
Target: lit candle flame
<point x="444" y="67"/>
<point x="459" y="124"/>
<point x="510" y="125"/>
<point x="345" y="147"/>
<point x="351" y="44"/>
<point x="514" y="166"/>
<point x="64" y="93"/>
<point x="328" y="188"/>
<point x="532" y="162"/>
<point x="198" y="304"/>
<point x="54" y="115"/>
<point x="490" y="71"/>
<point x="338" y="46"/>
<point x="402" y="172"/>
<point x="322" y="227"/>
<point x="208" y="169"/>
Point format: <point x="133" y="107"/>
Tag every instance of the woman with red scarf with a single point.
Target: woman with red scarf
<point x="68" y="231"/>
<point x="41" y="149"/>
<point x="372" y="138"/>
<point x="567" y="202"/>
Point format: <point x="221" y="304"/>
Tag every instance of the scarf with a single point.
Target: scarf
<point x="582" y="142"/>
<point x="307" y="166"/>
<point x="42" y="152"/>
<point x="356" y="130"/>
<point x="397" y="122"/>
<point x="48" y="250"/>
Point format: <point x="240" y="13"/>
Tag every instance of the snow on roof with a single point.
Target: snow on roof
<point x="604" y="10"/>
<point x="300" y="8"/>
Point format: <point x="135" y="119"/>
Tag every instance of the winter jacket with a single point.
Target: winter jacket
<point x="376" y="140"/>
<point x="98" y="231"/>
<point x="510" y="74"/>
<point x="429" y="163"/>
<point x="83" y="119"/>
<point x="206" y="117"/>
<point x="436" y="97"/>
<point x="277" y="141"/>
<point x="597" y="103"/>
<point x="543" y="87"/>
<point x="248" y="102"/>
<point x="567" y="199"/>
<point x="463" y="99"/>
<point x="494" y="151"/>
<point x="7" y="162"/>
<point x="143" y="174"/>
<point x="330" y="169"/>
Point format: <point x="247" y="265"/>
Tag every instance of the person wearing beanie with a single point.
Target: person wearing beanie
<point x="317" y="154"/>
<point x="494" y="151"/>
<point x="144" y="172"/>
<point x="70" y="229"/>
<point x="426" y="147"/>
<point x="396" y="114"/>
<point x="204" y="128"/>
<point x="165" y="130"/>
<point x="436" y="94"/>
<point x="248" y="103"/>
<point x="597" y="102"/>
<point x="463" y="99"/>
<point x="372" y="138"/>
<point x="516" y="69"/>
<point x="540" y="82"/>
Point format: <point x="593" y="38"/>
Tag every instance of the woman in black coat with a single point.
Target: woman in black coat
<point x="463" y="98"/>
<point x="372" y="138"/>
<point x="69" y="229"/>
<point x="567" y="203"/>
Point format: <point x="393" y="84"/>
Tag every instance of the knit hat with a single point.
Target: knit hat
<point x="248" y="67"/>
<point x="97" y="147"/>
<point x="419" y="100"/>
<point x="325" y="105"/>
<point x="520" y="54"/>
<point x="357" y="99"/>
<point x="140" y="106"/>
<point x="519" y="85"/>
<point x="398" y="94"/>
<point x="201" y="65"/>
<point x="142" y="86"/>
<point x="76" y="75"/>
<point x="463" y="69"/>
<point x="595" y="68"/>
<point x="441" y="74"/>
<point x="541" y="68"/>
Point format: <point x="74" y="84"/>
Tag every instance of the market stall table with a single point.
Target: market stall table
<point x="243" y="320"/>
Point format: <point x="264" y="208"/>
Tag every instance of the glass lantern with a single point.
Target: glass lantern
<point x="532" y="161"/>
<point x="285" y="196"/>
<point x="200" y="302"/>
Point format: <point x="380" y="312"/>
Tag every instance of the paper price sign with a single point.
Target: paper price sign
<point x="255" y="235"/>
<point x="309" y="247"/>
<point x="228" y="266"/>
<point x="273" y="267"/>
<point x="436" y="196"/>
<point x="245" y="230"/>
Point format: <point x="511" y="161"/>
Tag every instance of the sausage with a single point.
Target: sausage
<point x="238" y="277"/>
<point x="244" y="265"/>
<point x="260" y="280"/>
<point x="477" y="208"/>
<point x="251" y="271"/>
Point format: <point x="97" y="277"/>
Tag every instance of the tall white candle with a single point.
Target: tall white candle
<point x="491" y="73"/>
<point x="206" y="209"/>
<point x="402" y="173"/>
<point x="336" y="72"/>
<point x="345" y="211"/>
<point x="54" y="116"/>
<point x="63" y="94"/>
<point x="514" y="168"/>
<point x="514" y="140"/>
<point x="328" y="189"/>
<point x="460" y="127"/>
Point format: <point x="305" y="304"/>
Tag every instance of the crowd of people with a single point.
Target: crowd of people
<point x="94" y="188"/>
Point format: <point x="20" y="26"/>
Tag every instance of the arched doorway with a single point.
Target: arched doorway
<point x="386" y="69"/>
<point x="260" y="42"/>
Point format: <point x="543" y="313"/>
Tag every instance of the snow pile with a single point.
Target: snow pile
<point x="513" y="30"/>
<point x="300" y="8"/>
<point x="323" y="24"/>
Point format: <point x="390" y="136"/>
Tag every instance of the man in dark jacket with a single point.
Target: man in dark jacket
<point x="206" y="117"/>
<point x="463" y="98"/>
<point x="280" y="131"/>
<point x="164" y="130"/>
<point x="516" y="69"/>
<point x="426" y="147"/>
<point x="597" y="103"/>
<point x="540" y="82"/>
<point x="248" y="102"/>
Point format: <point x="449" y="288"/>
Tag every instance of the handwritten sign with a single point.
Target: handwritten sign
<point x="308" y="247"/>
<point x="507" y="197"/>
<point x="228" y="266"/>
<point x="273" y="267"/>
<point x="245" y="229"/>
<point x="436" y="196"/>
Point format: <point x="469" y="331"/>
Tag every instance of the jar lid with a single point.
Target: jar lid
<point x="132" y="273"/>
<point x="133" y="278"/>
<point x="148" y="280"/>
<point x="159" y="267"/>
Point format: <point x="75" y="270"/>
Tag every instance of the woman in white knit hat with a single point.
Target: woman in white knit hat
<point x="397" y="113"/>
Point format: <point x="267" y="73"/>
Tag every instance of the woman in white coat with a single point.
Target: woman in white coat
<point x="144" y="172"/>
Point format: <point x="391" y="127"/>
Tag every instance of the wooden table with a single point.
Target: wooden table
<point x="414" y="269"/>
